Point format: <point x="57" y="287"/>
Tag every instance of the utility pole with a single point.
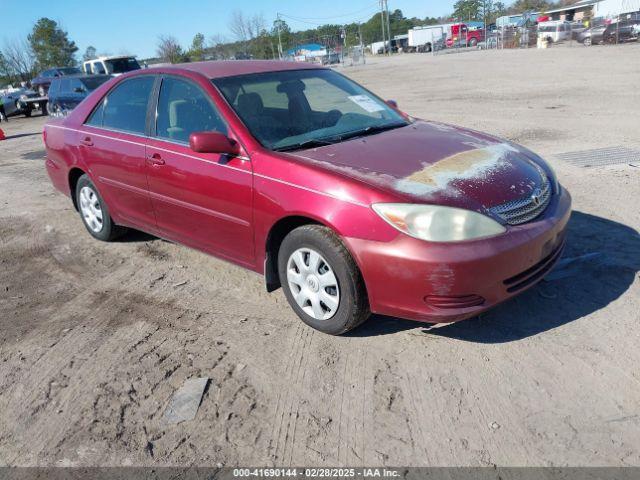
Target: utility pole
<point x="386" y="7"/>
<point x="384" y="39"/>
<point x="279" y="37"/>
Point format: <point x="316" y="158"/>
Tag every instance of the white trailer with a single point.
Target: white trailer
<point x="427" y="38"/>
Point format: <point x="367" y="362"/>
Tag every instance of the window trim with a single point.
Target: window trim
<point x="153" y="130"/>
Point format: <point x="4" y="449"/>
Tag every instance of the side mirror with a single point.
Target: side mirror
<point x="213" y="142"/>
<point x="392" y="104"/>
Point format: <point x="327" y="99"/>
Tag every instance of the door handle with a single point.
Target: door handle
<point x="155" y="159"/>
<point x="86" y="141"/>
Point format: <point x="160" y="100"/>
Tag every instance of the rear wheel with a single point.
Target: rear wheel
<point x="321" y="281"/>
<point x="94" y="212"/>
<point x="587" y="42"/>
<point x="473" y="42"/>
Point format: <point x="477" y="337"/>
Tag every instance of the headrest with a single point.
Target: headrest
<point x="250" y="103"/>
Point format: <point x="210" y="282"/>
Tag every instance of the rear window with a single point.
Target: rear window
<point x="125" y="107"/>
<point x="122" y="65"/>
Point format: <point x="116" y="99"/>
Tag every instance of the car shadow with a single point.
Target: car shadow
<point x="600" y="262"/>
<point x="136" y="236"/>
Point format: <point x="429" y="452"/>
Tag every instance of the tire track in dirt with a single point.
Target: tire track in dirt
<point x="288" y="404"/>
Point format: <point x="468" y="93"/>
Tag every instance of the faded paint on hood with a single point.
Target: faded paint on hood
<point x="434" y="162"/>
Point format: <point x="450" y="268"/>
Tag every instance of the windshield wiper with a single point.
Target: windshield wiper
<point x="314" y="142"/>
<point x="371" y="130"/>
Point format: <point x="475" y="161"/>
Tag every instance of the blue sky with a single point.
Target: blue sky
<point x="133" y="26"/>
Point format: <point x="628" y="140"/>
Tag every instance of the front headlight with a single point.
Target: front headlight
<point x="435" y="223"/>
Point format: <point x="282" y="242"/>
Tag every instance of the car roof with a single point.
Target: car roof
<point x="229" y="68"/>
<point x="81" y="76"/>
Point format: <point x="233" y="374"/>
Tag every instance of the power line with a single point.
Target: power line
<point x="302" y="19"/>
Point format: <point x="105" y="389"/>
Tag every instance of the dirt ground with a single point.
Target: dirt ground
<point x="95" y="337"/>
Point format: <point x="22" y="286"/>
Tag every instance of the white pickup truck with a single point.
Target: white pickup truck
<point x="114" y="65"/>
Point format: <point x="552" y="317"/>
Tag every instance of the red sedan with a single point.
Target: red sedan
<point x="300" y="174"/>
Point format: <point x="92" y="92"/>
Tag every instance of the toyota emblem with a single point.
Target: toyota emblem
<point x="535" y="196"/>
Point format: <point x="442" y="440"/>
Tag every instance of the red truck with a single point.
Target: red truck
<point x="460" y="34"/>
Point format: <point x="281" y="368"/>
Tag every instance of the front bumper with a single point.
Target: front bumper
<point x="436" y="283"/>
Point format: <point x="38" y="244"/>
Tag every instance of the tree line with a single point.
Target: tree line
<point x="48" y="45"/>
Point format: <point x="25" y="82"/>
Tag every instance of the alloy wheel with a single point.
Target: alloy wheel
<point x="91" y="209"/>
<point x="313" y="284"/>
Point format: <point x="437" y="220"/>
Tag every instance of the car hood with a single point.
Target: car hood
<point x="435" y="163"/>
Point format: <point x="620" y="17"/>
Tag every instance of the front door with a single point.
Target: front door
<point x="200" y="199"/>
<point x="113" y="143"/>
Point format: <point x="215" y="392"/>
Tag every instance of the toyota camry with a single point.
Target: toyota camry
<point x="300" y="174"/>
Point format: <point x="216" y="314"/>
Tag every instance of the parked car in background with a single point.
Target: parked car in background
<point x="65" y="93"/>
<point x="576" y="29"/>
<point x="592" y="36"/>
<point x="618" y="32"/>
<point x="300" y="174"/>
<point x="554" y="31"/>
<point x="624" y="30"/>
<point x="13" y="101"/>
<point x="113" y="65"/>
<point x="330" y="58"/>
<point x="41" y="83"/>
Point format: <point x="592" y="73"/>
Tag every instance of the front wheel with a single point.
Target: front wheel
<point x="94" y="212"/>
<point x="587" y="42"/>
<point x="321" y="280"/>
<point x="473" y="42"/>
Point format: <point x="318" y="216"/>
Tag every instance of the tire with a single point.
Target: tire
<point x="473" y="42"/>
<point x="27" y="112"/>
<point x="427" y="48"/>
<point x="352" y="305"/>
<point x="587" y="42"/>
<point x="94" y="211"/>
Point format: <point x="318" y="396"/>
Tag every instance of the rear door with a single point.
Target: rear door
<point x="113" y="145"/>
<point x="200" y="199"/>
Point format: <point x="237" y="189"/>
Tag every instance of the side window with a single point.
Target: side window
<point x="125" y="107"/>
<point x="98" y="68"/>
<point x="75" y="85"/>
<point x="53" y="88"/>
<point x="95" y="119"/>
<point x="65" y="85"/>
<point x="183" y="108"/>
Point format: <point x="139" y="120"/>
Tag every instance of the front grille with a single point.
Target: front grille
<point x="527" y="208"/>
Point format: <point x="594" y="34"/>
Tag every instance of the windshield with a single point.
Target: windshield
<point x="300" y="108"/>
<point x="91" y="83"/>
<point x="122" y="65"/>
